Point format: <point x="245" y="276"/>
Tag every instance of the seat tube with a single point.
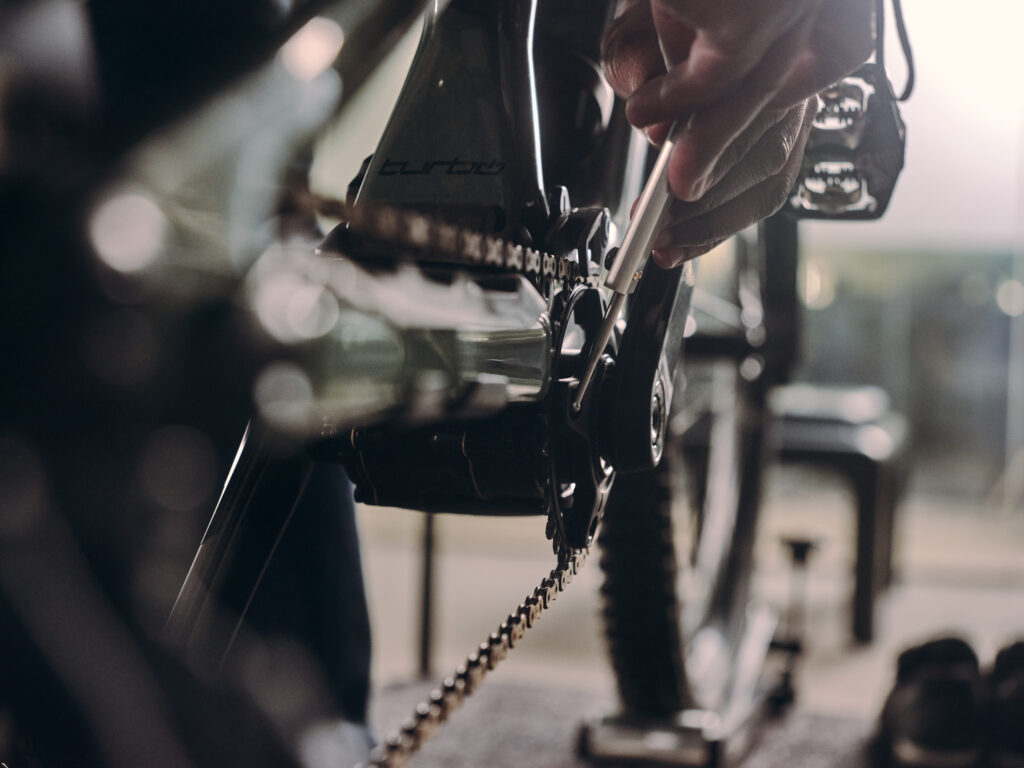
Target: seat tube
<point x="464" y="137"/>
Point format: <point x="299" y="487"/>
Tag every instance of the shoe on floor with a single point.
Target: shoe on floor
<point x="933" y="718"/>
<point x="1006" y="708"/>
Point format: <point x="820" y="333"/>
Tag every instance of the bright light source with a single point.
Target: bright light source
<point x="290" y="302"/>
<point x="1010" y="297"/>
<point x="313" y="48"/>
<point x="312" y="311"/>
<point x="127" y="231"/>
<point x="690" y="327"/>
<point x="284" y="395"/>
<point x="817" y="289"/>
<point x="874" y="442"/>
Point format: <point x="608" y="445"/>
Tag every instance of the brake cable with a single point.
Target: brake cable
<point x="901" y="32"/>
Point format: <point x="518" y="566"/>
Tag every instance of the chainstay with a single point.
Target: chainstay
<point x="428" y="715"/>
<point x="448" y="243"/>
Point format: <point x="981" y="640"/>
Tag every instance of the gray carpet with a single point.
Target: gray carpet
<point x="517" y="726"/>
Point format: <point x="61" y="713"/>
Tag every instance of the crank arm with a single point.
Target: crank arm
<point x="635" y="402"/>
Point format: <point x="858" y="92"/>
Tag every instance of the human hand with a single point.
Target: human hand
<point x="740" y="74"/>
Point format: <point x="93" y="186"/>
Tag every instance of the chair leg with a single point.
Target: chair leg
<point x="886" y="525"/>
<point x="866" y="486"/>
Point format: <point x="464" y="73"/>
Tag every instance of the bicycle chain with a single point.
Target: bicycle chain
<point x="428" y="715"/>
<point x="451" y="244"/>
<point x="448" y="243"/>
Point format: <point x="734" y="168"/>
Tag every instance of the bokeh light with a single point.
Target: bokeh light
<point x="127" y="231"/>
<point x="283" y="395"/>
<point x="313" y="48"/>
<point x="1010" y="297"/>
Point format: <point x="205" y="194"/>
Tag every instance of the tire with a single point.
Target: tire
<point x="640" y="604"/>
<point x="641" y="607"/>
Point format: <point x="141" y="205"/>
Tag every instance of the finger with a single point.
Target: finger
<point x="758" y="202"/>
<point x="667" y="258"/>
<point x="841" y="41"/>
<point x="710" y="132"/>
<point x="734" y="154"/>
<point x="675" y="35"/>
<point x="760" y="153"/>
<point x="813" y="74"/>
<point x="668" y="97"/>
<point x="629" y="51"/>
<point x="738" y="24"/>
<point x="698" y="84"/>
<point x="657" y="133"/>
<point x="732" y="39"/>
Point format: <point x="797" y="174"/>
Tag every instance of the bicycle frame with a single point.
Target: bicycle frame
<point x="509" y="325"/>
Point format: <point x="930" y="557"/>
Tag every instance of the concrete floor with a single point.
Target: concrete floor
<point x="959" y="570"/>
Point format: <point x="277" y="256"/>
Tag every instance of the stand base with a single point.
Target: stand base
<point x="701" y="738"/>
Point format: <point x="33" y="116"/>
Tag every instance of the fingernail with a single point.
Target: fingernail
<point x="666" y="258"/>
<point x="664" y="240"/>
<point x="697" y="190"/>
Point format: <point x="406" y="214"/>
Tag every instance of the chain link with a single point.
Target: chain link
<point x="449" y="243"/>
<point x="428" y="715"/>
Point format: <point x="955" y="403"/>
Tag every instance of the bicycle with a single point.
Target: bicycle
<point x="579" y="240"/>
<point x="447" y="471"/>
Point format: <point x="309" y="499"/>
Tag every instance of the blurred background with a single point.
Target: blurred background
<point x="927" y="302"/>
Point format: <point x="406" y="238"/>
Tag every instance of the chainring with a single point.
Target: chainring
<point x="580" y="478"/>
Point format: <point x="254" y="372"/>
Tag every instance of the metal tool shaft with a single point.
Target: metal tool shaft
<point x="648" y="218"/>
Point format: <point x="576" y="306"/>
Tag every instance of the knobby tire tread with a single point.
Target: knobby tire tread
<point x="640" y="605"/>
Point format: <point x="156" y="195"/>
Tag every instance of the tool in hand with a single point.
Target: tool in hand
<point x="624" y="274"/>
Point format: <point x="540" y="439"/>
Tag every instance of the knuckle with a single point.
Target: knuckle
<point x="700" y="231"/>
<point x="776" y="155"/>
<point x="775" y="195"/>
<point x="731" y="155"/>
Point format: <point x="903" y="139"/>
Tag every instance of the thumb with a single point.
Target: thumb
<point x="629" y="51"/>
<point x="675" y="36"/>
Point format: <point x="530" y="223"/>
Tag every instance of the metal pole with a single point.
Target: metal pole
<point x="427" y="597"/>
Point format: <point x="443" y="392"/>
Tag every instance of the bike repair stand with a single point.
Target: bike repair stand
<point x="705" y="738"/>
<point x="737" y="645"/>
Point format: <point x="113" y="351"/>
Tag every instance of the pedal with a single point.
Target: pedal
<point x="693" y="738"/>
<point x="855" y="150"/>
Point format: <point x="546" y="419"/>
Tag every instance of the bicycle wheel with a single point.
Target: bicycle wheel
<point x="649" y="636"/>
<point x="640" y="603"/>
